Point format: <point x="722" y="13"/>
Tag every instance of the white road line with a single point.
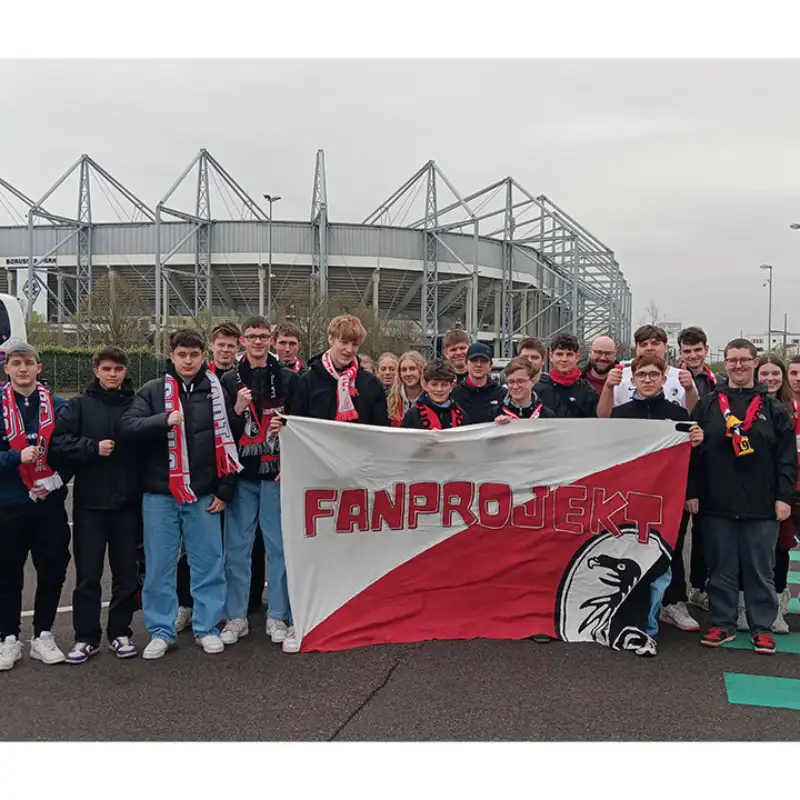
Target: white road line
<point x="61" y="609"/>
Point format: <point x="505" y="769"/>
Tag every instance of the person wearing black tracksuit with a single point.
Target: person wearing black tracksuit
<point x="747" y="478"/>
<point x="479" y="395"/>
<point x="563" y="390"/>
<point x="106" y="505"/>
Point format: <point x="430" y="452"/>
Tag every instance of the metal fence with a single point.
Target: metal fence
<point x="70" y="373"/>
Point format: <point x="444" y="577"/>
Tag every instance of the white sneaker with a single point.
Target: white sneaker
<point x="291" y="644"/>
<point x="780" y="625"/>
<point x="45" y="649"/>
<point x="783" y="601"/>
<point x="184" y="619"/>
<point x="211" y="643"/>
<point x="10" y="653"/>
<point x="277" y="629"/>
<point x="155" y="649"/>
<point x="678" y="615"/>
<point x="698" y="599"/>
<point x="234" y="630"/>
<point x="741" y="620"/>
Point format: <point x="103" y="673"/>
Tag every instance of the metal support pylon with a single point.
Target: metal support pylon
<point x="83" y="289"/>
<point x="203" y="292"/>
<point x="319" y="222"/>
<point x="430" y="280"/>
<point x="507" y="287"/>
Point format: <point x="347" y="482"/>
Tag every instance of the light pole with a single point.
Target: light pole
<point x="769" y="317"/>
<point x="271" y="199"/>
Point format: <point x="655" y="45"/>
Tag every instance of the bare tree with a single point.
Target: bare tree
<point x="115" y="313"/>
<point x="653" y="315"/>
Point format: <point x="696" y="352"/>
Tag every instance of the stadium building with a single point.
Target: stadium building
<point x="500" y="262"/>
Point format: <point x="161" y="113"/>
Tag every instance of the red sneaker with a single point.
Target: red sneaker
<point x="763" y="643"/>
<point x="715" y="637"/>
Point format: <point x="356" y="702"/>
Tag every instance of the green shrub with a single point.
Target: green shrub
<point x="68" y="370"/>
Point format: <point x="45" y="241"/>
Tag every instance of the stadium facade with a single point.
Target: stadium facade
<point x="500" y="262"/>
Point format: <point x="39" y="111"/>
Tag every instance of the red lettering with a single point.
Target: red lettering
<point x="571" y="509"/>
<point x="313" y="507"/>
<point x="531" y="514"/>
<point x="603" y="509"/>
<point x="490" y="494"/>
<point x="644" y="510"/>
<point x="423" y="498"/>
<point x="392" y="512"/>
<point x="353" y="511"/>
<point x="457" y="498"/>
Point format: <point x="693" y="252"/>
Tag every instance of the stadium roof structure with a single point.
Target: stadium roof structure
<point x="501" y="262"/>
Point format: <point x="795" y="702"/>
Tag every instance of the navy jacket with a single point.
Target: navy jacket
<point x="13" y="491"/>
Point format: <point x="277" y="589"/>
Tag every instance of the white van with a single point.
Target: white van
<point x="12" y="322"/>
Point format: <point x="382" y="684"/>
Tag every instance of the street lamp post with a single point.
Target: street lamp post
<point x="271" y="199"/>
<point x="769" y="317"/>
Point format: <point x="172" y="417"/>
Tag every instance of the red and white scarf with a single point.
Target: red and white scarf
<point x="255" y="440"/>
<point x="295" y="366"/>
<point x="180" y="477"/>
<point x="38" y="474"/>
<point x="345" y="388"/>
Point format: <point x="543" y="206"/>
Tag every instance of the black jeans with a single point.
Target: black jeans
<point x="781" y="571"/>
<point x="258" y="575"/>
<point x="676" y="591"/>
<point x="42" y="530"/>
<point x="93" y="532"/>
<point x="699" y="569"/>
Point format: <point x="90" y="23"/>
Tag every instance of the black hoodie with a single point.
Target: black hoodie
<point x="316" y="395"/>
<point x="479" y="403"/>
<point x="745" y="487"/>
<point x="101" y="482"/>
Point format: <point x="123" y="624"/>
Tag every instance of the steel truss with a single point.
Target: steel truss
<point x="554" y="274"/>
<point x="205" y="282"/>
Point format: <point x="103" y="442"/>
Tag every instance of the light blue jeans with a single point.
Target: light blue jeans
<point x="657" y="589"/>
<point x="165" y="522"/>
<point x="255" y="502"/>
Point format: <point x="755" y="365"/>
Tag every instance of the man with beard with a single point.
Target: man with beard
<point x="602" y="358"/>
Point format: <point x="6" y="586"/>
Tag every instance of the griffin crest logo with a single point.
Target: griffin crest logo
<point x="602" y="576"/>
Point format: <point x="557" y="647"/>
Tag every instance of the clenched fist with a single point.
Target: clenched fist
<point x="106" y="447"/>
<point x="29" y="454"/>
<point x="174" y="419"/>
<point x="243" y="399"/>
<point x="614" y="377"/>
<point x="685" y="379"/>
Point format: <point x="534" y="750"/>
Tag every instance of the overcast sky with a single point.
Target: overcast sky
<point x="689" y="170"/>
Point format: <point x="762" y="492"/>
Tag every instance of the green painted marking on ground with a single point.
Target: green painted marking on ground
<point x="794" y="555"/>
<point x="793" y="578"/>
<point x="786" y="643"/>
<point x="762" y="690"/>
<point x="794" y="605"/>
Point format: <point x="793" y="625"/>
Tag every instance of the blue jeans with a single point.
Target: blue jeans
<point x="255" y="502"/>
<point x="165" y="522"/>
<point x="657" y="589"/>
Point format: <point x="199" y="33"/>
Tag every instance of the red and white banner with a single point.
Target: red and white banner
<point x="501" y="532"/>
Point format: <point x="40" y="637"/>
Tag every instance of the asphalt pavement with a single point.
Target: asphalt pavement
<point x="475" y="690"/>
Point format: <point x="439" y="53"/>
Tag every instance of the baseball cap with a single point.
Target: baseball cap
<point x="479" y="350"/>
<point x="17" y="347"/>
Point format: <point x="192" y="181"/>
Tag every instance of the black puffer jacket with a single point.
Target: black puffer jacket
<point x="523" y="413"/>
<point x="479" y="403"/>
<point x="745" y="487"/>
<point x="145" y="422"/>
<point x="101" y="482"/>
<point x="576" y="401"/>
<point x="315" y="396"/>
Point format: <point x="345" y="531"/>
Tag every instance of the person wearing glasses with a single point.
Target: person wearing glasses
<point x="260" y="387"/>
<point x="602" y="359"/>
<point x="649" y="375"/>
<point x="747" y="474"/>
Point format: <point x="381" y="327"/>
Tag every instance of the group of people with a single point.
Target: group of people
<point x="191" y="464"/>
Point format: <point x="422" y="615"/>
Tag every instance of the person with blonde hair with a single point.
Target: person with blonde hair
<point x="387" y="370"/>
<point x="407" y="386"/>
<point x="336" y="386"/>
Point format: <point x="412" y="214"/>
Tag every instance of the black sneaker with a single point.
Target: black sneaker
<point x="541" y="638"/>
